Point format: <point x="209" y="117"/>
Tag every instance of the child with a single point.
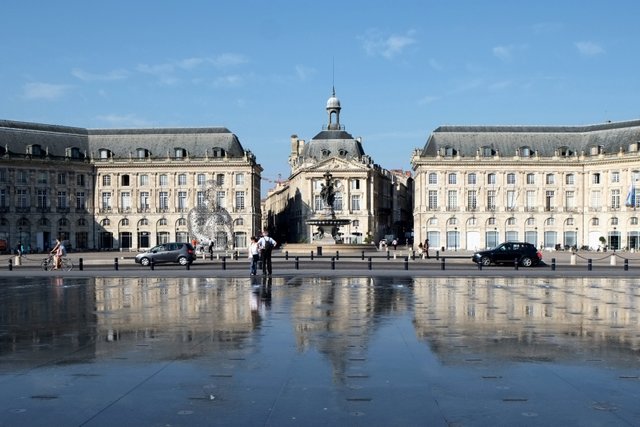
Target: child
<point x="254" y="255"/>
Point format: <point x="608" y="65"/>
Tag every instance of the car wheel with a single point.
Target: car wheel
<point x="526" y="262"/>
<point x="183" y="260"/>
<point x="485" y="260"/>
<point x="145" y="261"/>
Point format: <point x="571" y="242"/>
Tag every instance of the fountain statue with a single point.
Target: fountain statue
<point x="328" y="226"/>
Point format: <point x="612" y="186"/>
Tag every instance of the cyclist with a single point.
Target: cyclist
<point x="58" y="252"/>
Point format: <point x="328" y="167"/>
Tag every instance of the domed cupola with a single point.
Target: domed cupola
<point x="333" y="109"/>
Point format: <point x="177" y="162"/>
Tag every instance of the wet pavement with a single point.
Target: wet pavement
<point x="315" y="351"/>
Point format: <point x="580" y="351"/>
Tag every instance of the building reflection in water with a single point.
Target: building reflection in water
<point x="510" y="319"/>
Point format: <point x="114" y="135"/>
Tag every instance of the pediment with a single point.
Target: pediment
<point x="338" y="164"/>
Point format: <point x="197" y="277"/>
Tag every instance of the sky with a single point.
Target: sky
<point x="265" y="69"/>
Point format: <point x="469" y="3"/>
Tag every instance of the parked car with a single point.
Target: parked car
<point x="526" y="254"/>
<point x="182" y="253"/>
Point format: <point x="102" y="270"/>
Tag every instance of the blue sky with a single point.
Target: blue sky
<point x="265" y="69"/>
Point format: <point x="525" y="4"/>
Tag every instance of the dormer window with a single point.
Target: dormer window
<point x="325" y="152"/>
<point x="142" y="153"/>
<point x="450" y="152"/>
<point x="594" y="151"/>
<point x="564" y="152"/>
<point x="105" y="154"/>
<point x="72" y="153"/>
<point x="218" y="152"/>
<point x="487" y="152"/>
<point x="180" y="153"/>
<point x="34" y="150"/>
<point x="525" y="152"/>
<point x="342" y="152"/>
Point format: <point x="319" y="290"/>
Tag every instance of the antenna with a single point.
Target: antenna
<point x="333" y="74"/>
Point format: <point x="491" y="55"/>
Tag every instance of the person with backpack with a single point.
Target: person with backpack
<point x="266" y="245"/>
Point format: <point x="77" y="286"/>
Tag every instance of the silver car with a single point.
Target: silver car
<point x="180" y="252"/>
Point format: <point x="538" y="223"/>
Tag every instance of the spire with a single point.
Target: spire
<point x="333" y="109"/>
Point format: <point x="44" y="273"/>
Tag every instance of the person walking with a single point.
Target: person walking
<point x="266" y="245"/>
<point x="254" y="255"/>
<point x="426" y="248"/>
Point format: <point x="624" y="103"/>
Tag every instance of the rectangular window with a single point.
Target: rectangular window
<point x="472" y="200"/>
<point x="42" y="200"/>
<point x="551" y="179"/>
<point x="3" y="198"/>
<point x="62" y="199"/>
<point x="182" y="200"/>
<point x="201" y="178"/>
<point x="337" y="202"/>
<point x="471" y="179"/>
<point x="615" y="199"/>
<point x="615" y="176"/>
<point x="43" y="178"/>
<point x="80" y="180"/>
<point x="163" y="200"/>
<point x="144" y="180"/>
<point x="531" y="200"/>
<point x="511" y="199"/>
<point x="239" y="179"/>
<point x="239" y="200"/>
<point x="80" y="200"/>
<point x="511" y="178"/>
<point x="355" y="184"/>
<point x="596" y="203"/>
<point x="453" y="178"/>
<point x="106" y="180"/>
<point x="433" y="178"/>
<point x="570" y="200"/>
<point x="22" y="177"/>
<point x="163" y="180"/>
<point x="62" y="179"/>
<point x="531" y="178"/>
<point x="22" y="198"/>
<point x="221" y="200"/>
<point x="595" y="178"/>
<point x="491" y="178"/>
<point x="433" y="200"/>
<point x="200" y="199"/>
<point x="106" y="200"/>
<point x="355" y="202"/>
<point x="452" y="200"/>
<point x="549" y="201"/>
<point x="571" y="179"/>
<point x="491" y="200"/>
<point x="182" y="179"/>
<point x="125" y="200"/>
<point x="220" y="179"/>
<point x="317" y="203"/>
<point x="3" y="175"/>
<point x="144" y="201"/>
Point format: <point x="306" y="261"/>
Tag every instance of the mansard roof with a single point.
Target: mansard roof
<point x="55" y="141"/>
<point x="545" y="140"/>
<point x="329" y="143"/>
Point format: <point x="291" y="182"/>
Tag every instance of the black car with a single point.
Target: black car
<point x="525" y="254"/>
<point x="182" y="253"/>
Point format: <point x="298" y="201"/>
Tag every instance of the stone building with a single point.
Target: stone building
<point x="125" y="188"/>
<point x="365" y="193"/>
<point x="555" y="187"/>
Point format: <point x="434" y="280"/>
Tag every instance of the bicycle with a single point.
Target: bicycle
<point x="48" y="264"/>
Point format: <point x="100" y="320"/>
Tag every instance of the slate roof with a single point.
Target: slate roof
<point x="333" y="141"/>
<point x="55" y="140"/>
<point x="466" y="140"/>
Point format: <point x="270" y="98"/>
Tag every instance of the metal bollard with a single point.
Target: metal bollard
<point x="224" y="262"/>
<point x="589" y="264"/>
<point x="479" y="266"/>
<point x="211" y="256"/>
<point x="333" y="263"/>
<point x="626" y="265"/>
<point x="388" y="256"/>
<point x="553" y="264"/>
<point x="437" y="255"/>
<point x="286" y="255"/>
<point x="337" y="255"/>
<point x="81" y="264"/>
<point x="311" y="255"/>
<point x="515" y="264"/>
<point x="297" y="263"/>
<point x="152" y="264"/>
<point x="115" y="263"/>
<point x="10" y="265"/>
<point x="188" y="265"/>
<point x="413" y="255"/>
<point x="370" y="264"/>
<point x="442" y="265"/>
<point x="363" y="255"/>
<point x="406" y="263"/>
<point x="235" y="255"/>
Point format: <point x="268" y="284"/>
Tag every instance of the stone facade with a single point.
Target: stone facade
<point x="126" y="188"/>
<point x="555" y="187"/>
<point x="376" y="201"/>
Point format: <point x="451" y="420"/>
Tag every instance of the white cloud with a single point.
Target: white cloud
<point x="228" y="60"/>
<point x="111" y="75"/>
<point x="129" y="120"/>
<point x="229" y="80"/>
<point x="45" y="90"/>
<point x="304" y="73"/>
<point x="589" y="48"/>
<point x="375" y="44"/>
<point x="503" y="52"/>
